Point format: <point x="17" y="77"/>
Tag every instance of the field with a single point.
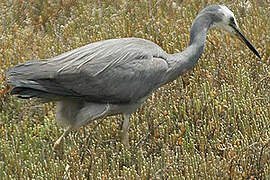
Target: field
<point x="211" y="123"/>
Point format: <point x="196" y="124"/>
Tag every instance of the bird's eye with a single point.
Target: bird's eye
<point x="232" y="20"/>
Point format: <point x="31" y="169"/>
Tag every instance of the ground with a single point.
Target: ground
<point x="211" y="123"/>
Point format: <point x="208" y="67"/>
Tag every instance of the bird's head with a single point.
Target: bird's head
<point x="224" y="18"/>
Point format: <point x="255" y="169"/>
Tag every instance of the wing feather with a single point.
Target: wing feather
<point x="116" y="70"/>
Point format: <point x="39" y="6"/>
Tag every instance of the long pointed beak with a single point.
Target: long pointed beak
<point x="243" y="38"/>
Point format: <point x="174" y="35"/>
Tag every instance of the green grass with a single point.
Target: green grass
<point x="211" y="123"/>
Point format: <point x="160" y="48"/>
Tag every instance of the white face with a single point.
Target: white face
<point x="226" y="15"/>
<point x="227" y="21"/>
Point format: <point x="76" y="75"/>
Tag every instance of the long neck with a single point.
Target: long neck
<point x="182" y="62"/>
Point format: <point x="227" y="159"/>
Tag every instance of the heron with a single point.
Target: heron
<point x="114" y="76"/>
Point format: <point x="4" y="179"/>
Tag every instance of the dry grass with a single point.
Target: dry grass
<point x="211" y="123"/>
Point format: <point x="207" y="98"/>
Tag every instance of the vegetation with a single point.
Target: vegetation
<point x="211" y="123"/>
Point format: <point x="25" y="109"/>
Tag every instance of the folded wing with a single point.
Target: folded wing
<point x="116" y="71"/>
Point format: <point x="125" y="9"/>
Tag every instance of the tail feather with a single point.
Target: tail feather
<point x="32" y="79"/>
<point x="26" y="93"/>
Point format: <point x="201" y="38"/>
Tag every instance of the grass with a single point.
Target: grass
<point x="211" y="123"/>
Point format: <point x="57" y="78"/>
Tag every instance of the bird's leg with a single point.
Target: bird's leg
<point x="60" y="139"/>
<point x="125" y="127"/>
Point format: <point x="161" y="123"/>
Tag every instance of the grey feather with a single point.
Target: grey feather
<point x="98" y="72"/>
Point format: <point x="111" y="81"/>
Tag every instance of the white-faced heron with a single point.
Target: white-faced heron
<point x="113" y="76"/>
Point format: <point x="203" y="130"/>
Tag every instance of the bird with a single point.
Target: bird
<point x="114" y="76"/>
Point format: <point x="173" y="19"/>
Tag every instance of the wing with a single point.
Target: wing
<point x="116" y="71"/>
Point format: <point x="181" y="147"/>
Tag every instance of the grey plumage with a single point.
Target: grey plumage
<point x="99" y="72"/>
<point x="113" y="76"/>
